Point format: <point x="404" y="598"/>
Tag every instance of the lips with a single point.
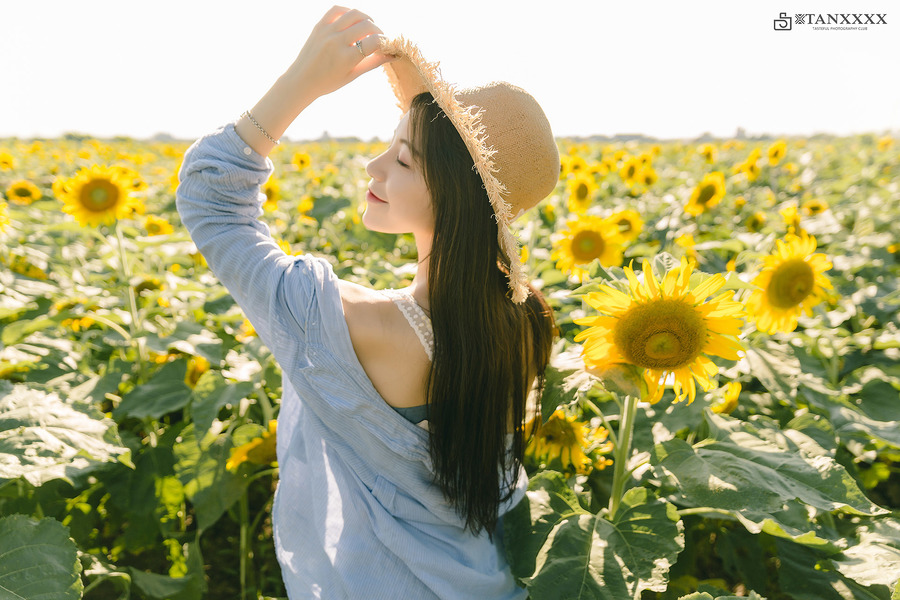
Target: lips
<point x="370" y="197"/>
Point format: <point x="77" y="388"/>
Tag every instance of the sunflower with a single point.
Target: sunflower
<point x="272" y="190"/>
<point x="630" y="170"/>
<point x="157" y="225"/>
<point x="791" y="217"/>
<point x="96" y="195"/>
<point x="4" y="216"/>
<point x="885" y="143"/>
<point x="7" y="161"/>
<point x="756" y="221"/>
<point x="581" y="189"/>
<point x="776" y="152"/>
<point x="629" y="223"/>
<point x="664" y="327"/>
<point x="570" y="441"/>
<point x="301" y="160"/>
<point x="260" y="450"/>
<point x="23" y="192"/>
<point x="707" y="194"/>
<point x="708" y="152"/>
<point x="588" y="238"/>
<point x="814" y="207"/>
<point x="196" y="367"/>
<point x="791" y="283"/>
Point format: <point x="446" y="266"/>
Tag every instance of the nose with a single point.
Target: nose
<point x="373" y="167"/>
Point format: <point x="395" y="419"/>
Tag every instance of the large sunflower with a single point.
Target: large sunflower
<point x="707" y="194"/>
<point x="664" y="327"/>
<point x="586" y="239"/>
<point x="791" y="283"/>
<point x="97" y="195"/>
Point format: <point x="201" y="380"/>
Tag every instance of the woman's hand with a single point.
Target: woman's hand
<point x="329" y="60"/>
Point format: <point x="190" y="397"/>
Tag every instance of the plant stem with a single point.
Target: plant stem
<point x="623" y="453"/>
<point x="135" y="325"/>
<point x="245" y="526"/>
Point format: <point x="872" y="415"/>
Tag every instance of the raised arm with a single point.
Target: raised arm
<point x="219" y="197"/>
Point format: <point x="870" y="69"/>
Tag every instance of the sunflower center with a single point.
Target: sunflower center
<point x="22" y="192"/>
<point x="587" y="245"/>
<point x="99" y="194"/>
<point x="791" y="283"/>
<point x="662" y="334"/>
<point x="706" y="194"/>
<point x="581" y="192"/>
<point x="624" y="225"/>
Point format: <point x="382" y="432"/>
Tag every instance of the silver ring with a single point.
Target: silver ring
<point x="359" y="47"/>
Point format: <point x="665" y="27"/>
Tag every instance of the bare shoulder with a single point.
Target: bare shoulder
<point x="385" y="345"/>
<point x="367" y="312"/>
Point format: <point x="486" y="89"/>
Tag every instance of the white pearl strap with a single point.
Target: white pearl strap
<point x="416" y="318"/>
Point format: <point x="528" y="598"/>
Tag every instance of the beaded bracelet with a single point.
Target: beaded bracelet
<point x="260" y="127"/>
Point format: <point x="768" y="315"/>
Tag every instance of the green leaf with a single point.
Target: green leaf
<point x="18" y="331"/>
<point x="191" y="338"/>
<point x="210" y="394"/>
<point x="547" y="501"/>
<point x="43" y="437"/>
<point x="586" y="556"/>
<point x="38" y="560"/>
<point x="165" y="392"/>
<point x="876" y="558"/>
<point x="804" y="575"/>
<point x="200" y="465"/>
<point x="753" y="467"/>
<point x="704" y="596"/>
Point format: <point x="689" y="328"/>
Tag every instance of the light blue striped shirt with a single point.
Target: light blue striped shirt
<point x="356" y="515"/>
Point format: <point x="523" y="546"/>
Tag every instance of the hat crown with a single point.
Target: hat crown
<point x="525" y="156"/>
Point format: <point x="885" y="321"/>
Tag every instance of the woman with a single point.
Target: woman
<point x="401" y="429"/>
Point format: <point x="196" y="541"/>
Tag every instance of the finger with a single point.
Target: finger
<point x="370" y="62"/>
<point x="333" y="13"/>
<point x="363" y="31"/>
<point x="351" y="17"/>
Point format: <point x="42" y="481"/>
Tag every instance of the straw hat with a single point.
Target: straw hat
<point x="506" y="132"/>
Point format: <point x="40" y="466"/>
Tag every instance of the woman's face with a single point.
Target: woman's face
<point x="398" y="200"/>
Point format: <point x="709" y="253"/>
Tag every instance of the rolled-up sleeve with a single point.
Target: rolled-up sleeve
<point x="220" y="201"/>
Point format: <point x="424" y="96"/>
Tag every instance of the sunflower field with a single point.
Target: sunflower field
<point x="721" y="417"/>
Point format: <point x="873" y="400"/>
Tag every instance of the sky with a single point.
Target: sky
<point x="659" y="68"/>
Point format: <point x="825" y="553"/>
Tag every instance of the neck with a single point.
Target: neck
<point x="419" y="285"/>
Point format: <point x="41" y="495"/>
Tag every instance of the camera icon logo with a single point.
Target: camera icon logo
<point x="783" y="23"/>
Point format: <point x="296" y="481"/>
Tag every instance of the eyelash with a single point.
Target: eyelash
<point x="402" y="164"/>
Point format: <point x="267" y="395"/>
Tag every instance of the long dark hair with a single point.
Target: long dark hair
<point x="487" y="349"/>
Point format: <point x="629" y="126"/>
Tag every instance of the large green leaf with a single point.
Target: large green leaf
<point x="586" y="556"/>
<point x="211" y="393"/>
<point x="42" y="437"/>
<point x="547" y="501"/>
<point x="875" y="560"/>
<point x="754" y="467"/>
<point x="165" y="392"/>
<point x="200" y="465"/>
<point x="38" y="560"/>
<point x="804" y="575"/>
